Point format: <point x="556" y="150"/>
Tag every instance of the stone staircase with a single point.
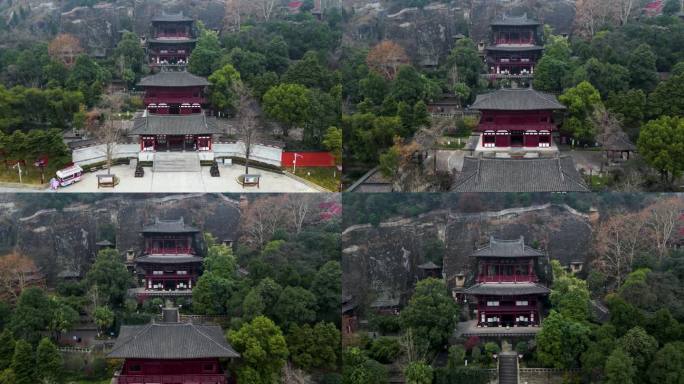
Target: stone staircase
<point x="508" y="368"/>
<point x="176" y="162"/>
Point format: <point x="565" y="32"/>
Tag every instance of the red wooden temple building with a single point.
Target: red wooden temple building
<point x="170" y="351"/>
<point x="171" y="261"/>
<point x="174" y="118"/>
<point x="172" y="39"/>
<point x="515" y="47"/>
<point x="516" y="117"/>
<point x="507" y="292"/>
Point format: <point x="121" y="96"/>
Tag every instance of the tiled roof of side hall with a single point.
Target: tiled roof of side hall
<point x="169" y="226"/>
<point x="173" y="79"/>
<point x="516" y="99"/>
<point x="506" y="289"/>
<point x="507" y="248"/>
<point x="171" y="341"/>
<point x="544" y="174"/>
<point x="506" y="20"/>
<point x="158" y="124"/>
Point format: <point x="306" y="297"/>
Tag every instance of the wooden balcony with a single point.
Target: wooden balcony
<point x="170" y="379"/>
<point x="170" y="251"/>
<point x="172" y="277"/>
<point x="174" y="99"/>
<point x="507" y="279"/>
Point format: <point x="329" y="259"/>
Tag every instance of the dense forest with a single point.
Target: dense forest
<point x="276" y="294"/>
<point x="619" y="319"/>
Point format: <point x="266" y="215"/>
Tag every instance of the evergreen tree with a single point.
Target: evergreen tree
<point x="24" y="363"/>
<point x="6" y="349"/>
<point x="48" y="362"/>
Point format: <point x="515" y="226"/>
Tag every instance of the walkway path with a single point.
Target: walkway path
<point x="170" y="182"/>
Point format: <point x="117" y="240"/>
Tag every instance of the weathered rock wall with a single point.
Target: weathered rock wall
<point x="60" y="240"/>
<point x="385" y="258"/>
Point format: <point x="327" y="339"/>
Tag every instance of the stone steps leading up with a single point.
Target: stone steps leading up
<point x="176" y="162"/>
<point x="508" y="368"/>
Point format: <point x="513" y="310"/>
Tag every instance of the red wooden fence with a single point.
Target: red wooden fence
<point x="308" y="159"/>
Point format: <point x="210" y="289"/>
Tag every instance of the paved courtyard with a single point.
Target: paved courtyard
<point x="189" y="181"/>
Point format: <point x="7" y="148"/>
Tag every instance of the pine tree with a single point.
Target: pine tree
<point x="23" y="363"/>
<point x="6" y="349"/>
<point x="48" y="362"/>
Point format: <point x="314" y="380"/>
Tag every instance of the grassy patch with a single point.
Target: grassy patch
<point x="328" y="178"/>
<point x="451" y="143"/>
<point x="29" y="174"/>
<point x="597" y="182"/>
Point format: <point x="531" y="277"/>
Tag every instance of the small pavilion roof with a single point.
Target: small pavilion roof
<point x="507" y="289"/>
<point x="544" y="174"/>
<point x="516" y="99"/>
<point x="169" y="226"/>
<point x="429" y="265"/>
<point x="385" y="302"/>
<point x="191" y="124"/>
<point x="173" y="79"/>
<point x="172" y="17"/>
<point x="171" y="339"/>
<point x="169" y="259"/>
<point x="104" y="243"/>
<point x="507" y="248"/>
<point x="519" y="21"/>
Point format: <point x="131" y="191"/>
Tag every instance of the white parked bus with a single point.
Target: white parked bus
<point x="69" y="175"/>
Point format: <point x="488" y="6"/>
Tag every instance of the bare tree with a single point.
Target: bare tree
<point x="109" y="135"/>
<point x="618" y="241"/>
<point x="299" y="207"/>
<point x="662" y="222"/>
<point x="263" y="217"/>
<point x="624" y="9"/>
<point x="247" y="120"/>
<point x="592" y="15"/>
<point x="15" y="271"/>
<point x="267" y="8"/>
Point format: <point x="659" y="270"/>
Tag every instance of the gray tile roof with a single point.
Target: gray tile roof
<point x="171" y="341"/>
<point x="168" y="259"/>
<point x="192" y="124"/>
<point x="516" y="99"/>
<point x="173" y="17"/>
<point x="544" y="174"/>
<point x="169" y="226"/>
<point x="429" y="265"/>
<point x="507" y="289"/>
<point x="371" y="182"/>
<point x="514" y="48"/>
<point x="507" y="248"/>
<point x="173" y="79"/>
<point x="386" y="302"/>
<point x="523" y="20"/>
<point x="171" y="41"/>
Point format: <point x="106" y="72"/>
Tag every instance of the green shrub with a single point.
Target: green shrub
<point x="385" y="350"/>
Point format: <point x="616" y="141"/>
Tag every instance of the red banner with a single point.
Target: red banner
<point x="308" y="159"/>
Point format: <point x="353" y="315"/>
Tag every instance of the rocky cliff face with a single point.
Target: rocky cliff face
<point x="428" y="33"/>
<point x="98" y="27"/>
<point x="64" y="240"/>
<point x="385" y="258"/>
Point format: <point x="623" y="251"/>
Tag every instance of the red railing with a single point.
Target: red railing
<point x="168" y="379"/>
<point x="178" y="278"/>
<point x="507" y="279"/>
<point x="169" y="251"/>
<point x="508" y="309"/>
<point x="174" y="100"/>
